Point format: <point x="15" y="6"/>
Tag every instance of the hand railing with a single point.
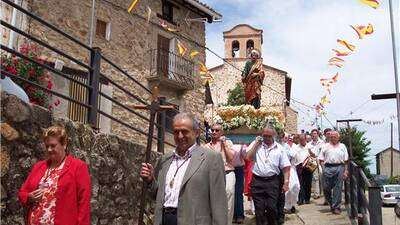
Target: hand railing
<point x="363" y="207"/>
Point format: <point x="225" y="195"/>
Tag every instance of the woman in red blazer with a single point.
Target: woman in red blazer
<point x="57" y="190"/>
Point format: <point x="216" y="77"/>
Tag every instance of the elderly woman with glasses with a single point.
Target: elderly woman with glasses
<point x="57" y="190"/>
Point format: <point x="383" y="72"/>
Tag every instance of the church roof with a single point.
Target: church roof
<point x="387" y="149"/>
<point x="243" y="25"/>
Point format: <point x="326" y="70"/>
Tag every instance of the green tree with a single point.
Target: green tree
<point x="360" y="146"/>
<point x="236" y="95"/>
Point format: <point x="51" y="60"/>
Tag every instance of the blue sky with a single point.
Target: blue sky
<point x="298" y="38"/>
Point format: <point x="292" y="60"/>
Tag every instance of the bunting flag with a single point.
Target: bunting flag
<point x="193" y="54"/>
<point x="335" y="59"/>
<point x="203" y="68"/>
<point x="133" y="4"/>
<point x="181" y="48"/>
<point x="347" y="45"/>
<point x="341" y="53"/>
<point x="335" y="78"/>
<point x="324" y="100"/>
<point x="163" y="24"/>
<point x="336" y="64"/>
<point x="372" y="3"/>
<point x="362" y="30"/>
<point x="171" y="29"/>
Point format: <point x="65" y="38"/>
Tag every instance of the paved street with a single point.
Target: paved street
<point x="313" y="214"/>
<point x="389" y="217"/>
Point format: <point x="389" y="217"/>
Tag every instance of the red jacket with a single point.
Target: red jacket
<point x="73" y="192"/>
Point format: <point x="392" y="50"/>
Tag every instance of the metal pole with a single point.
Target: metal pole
<point x="11" y="40"/>
<point x="94" y="82"/>
<point x="395" y="67"/>
<point x="353" y="210"/>
<point x="391" y="149"/>
<point x="91" y="26"/>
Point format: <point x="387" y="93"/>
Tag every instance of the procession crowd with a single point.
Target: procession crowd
<point x="200" y="184"/>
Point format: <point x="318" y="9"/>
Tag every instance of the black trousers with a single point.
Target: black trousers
<point x="265" y="193"/>
<point x="169" y="219"/>
<point x="305" y="177"/>
<point x="281" y="200"/>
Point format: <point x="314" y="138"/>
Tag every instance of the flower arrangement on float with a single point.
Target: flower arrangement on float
<point x="233" y="117"/>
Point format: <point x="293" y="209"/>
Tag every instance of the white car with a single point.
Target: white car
<point x="389" y="193"/>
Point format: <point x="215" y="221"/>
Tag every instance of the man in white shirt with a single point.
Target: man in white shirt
<point x="315" y="146"/>
<point x="189" y="183"/>
<point x="334" y="157"/>
<point x="302" y="152"/>
<point x="220" y="144"/>
<point x="270" y="159"/>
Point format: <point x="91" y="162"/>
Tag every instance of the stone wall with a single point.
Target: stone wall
<point x="113" y="162"/>
<point x="384" y="163"/>
<point x="130" y="40"/>
<point x="291" y="120"/>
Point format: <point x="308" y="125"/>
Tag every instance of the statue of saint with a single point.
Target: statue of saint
<point x="252" y="78"/>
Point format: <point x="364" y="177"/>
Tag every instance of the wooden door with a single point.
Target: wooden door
<point x="162" y="55"/>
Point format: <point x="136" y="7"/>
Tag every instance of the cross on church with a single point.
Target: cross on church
<point x="154" y="108"/>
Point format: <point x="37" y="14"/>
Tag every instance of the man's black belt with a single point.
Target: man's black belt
<point x="265" y="178"/>
<point x="228" y="171"/>
<point x="169" y="210"/>
<point x="333" y="164"/>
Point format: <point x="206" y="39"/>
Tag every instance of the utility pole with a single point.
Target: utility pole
<point x="353" y="209"/>
<point x="391" y="149"/>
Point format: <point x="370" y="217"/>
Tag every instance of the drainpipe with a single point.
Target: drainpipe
<point x="14" y="15"/>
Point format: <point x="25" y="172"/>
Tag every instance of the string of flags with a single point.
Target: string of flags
<point x="182" y="49"/>
<point x="338" y="59"/>
<point x="380" y="121"/>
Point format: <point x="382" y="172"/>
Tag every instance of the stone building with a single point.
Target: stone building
<point x="146" y="49"/>
<point x="384" y="162"/>
<point x="276" y="89"/>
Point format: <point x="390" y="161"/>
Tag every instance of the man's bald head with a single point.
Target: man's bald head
<point x="268" y="135"/>
<point x="303" y="139"/>
<point x="334" y="137"/>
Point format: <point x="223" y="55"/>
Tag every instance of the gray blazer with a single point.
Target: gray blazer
<point x="202" y="198"/>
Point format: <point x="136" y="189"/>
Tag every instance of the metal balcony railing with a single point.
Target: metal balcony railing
<point x="171" y="70"/>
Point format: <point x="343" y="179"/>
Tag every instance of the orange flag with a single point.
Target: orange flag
<point x="181" y="48"/>
<point x="347" y="45"/>
<point x="369" y="29"/>
<point x="363" y="30"/>
<point x="360" y="30"/>
<point x="203" y="68"/>
<point x="193" y="54"/>
<point x="340" y="53"/>
<point x="372" y="3"/>
<point x="336" y="64"/>
<point x="335" y="59"/>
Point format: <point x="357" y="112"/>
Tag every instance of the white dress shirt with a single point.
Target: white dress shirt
<point x="315" y="146"/>
<point x="334" y="154"/>
<point x="171" y="196"/>
<point x="269" y="160"/>
<point x="301" y="154"/>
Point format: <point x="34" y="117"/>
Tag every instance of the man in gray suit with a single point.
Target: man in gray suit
<point x="189" y="183"/>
